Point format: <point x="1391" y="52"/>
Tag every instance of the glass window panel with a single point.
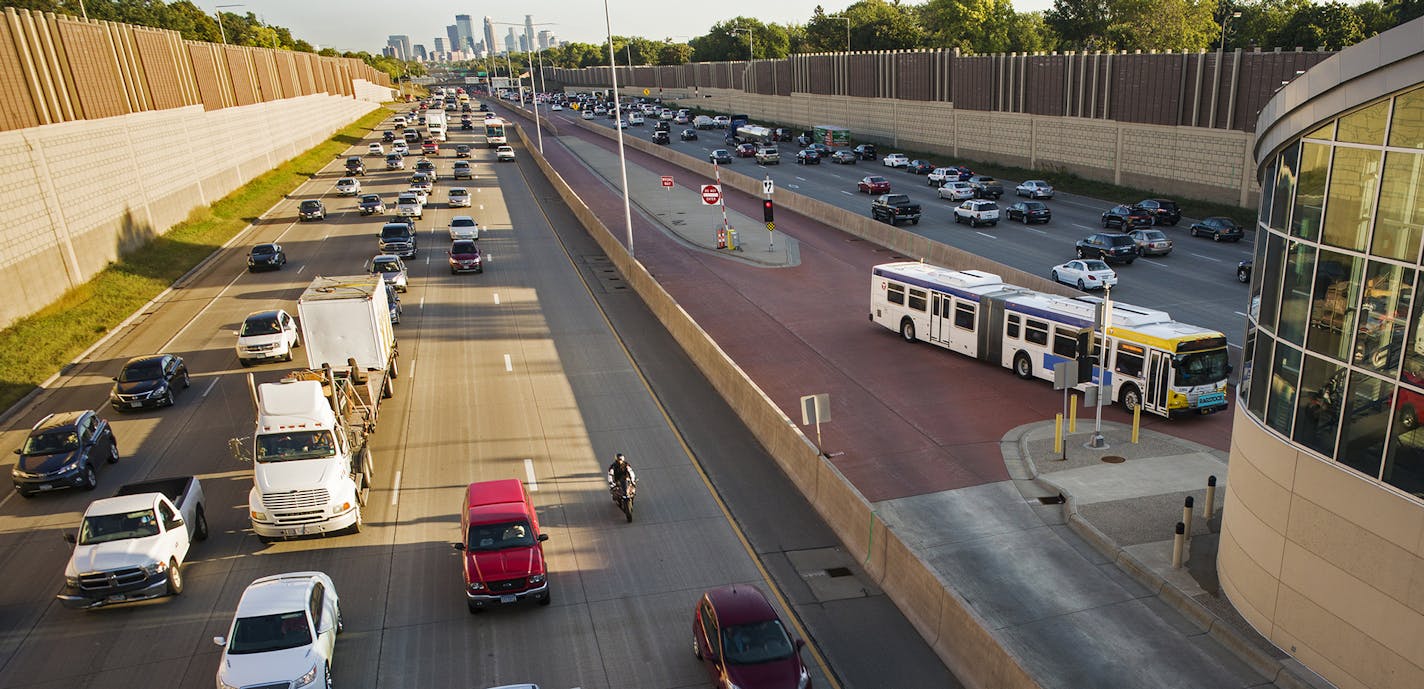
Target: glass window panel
<point x="1354" y="183"/>
<point x="1256" y="398"/>
<point x="1285" y="373"/>
<point x="1258" y="264"/>
<point x="1367" y="413"/>
<point x="1310" y="191"/>
<point x="1406" y="130"/>
<point x="1285" y="184"/>
<point x="1269" y="277"/>
<point x="1399" y="222"/>
<point x="1413" y="346"/>
<point x="1268" y="189"/>
<point x="1366" y="125"/>
<point x="1297" y="275"/>
<point x="1326" y="132"/>
<point x="1333" y="305"/>
<point x="1404" y="461"/>
<point x="1317" y="417"/>
<point x="1384" y="314"/>
<point x="1248" y="356"/>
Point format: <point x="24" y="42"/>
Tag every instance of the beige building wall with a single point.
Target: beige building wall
<point x="1325" y="563"/>
<point x="1194" y="162"/>
<point x="79" y="193"/>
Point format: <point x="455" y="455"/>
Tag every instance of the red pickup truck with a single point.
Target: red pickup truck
<point x="503" y="546"/>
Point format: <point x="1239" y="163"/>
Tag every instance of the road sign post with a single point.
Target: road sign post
<point x="712" y="194"/>
<point x="815" y="409"/>
<point x="767" y="187"/>
<point x="667" y="185"/>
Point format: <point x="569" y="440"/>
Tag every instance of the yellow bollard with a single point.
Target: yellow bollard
<point x="1073" y="413"/>
<point x="1136" y="422"/>
<point x="1057" y="434"/>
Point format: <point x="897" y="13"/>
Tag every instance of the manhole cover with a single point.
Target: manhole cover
<point x="1114" y="459"/>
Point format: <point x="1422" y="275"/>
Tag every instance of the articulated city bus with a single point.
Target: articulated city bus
<point x="494" y="132"/>
<point x="1167" y="368"/>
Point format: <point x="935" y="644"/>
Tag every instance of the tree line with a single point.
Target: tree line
<point x="194" y="24"/>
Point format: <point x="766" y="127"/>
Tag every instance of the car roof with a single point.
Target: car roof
<point x="265" y="246"/>
<point x="150" y="359"/>
<point x="62" y="419"/>
<point x="276" y="594"/>
<point x="458" y="218"/>
<point x="468" y="245"/>
<point x="262" y="315"/>
<point x="740" y="604"/>
<point x="386" y="258"/>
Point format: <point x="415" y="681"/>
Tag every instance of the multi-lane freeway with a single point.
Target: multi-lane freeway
<point x="521" y="372"/>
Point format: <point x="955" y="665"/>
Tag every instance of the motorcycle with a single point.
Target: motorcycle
<point x="623" y="493"/>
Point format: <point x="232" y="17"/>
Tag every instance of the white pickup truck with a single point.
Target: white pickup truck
<point x="132" y="546"/>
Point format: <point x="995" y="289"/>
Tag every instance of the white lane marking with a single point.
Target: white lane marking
<point x="411" y="373"/>
<point x="395" y="489"/>
<point x="529" y="471"/>
<point x="1085" y="226"/>
<point x="427" y="259"/>
<point x="1030" y="229"/>
<point x="299" y="270"/>
<point x="508" y="364"/>
<point x="1155" y="263"/>
<point x="985" y="234"/>
<point x="328" y="236"/>
<point x="482" y="206"/>
<point x="1208" y="258"/>
<point x="847" y="193"/>
<point x="211" y="386"/>
<point x="803" y="179"/>
<point x="496" y="298"/>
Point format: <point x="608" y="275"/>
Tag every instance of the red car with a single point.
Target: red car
<point x="503" y="547"/>
<point x="738" y="637"/>
<point x="746" y="150"/>
<point x="430" y="148"/>
<point x="874" y="184"/>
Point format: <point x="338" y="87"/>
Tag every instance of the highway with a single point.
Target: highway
<point x="1196" y="283"/>
<point x="536" y="370"/>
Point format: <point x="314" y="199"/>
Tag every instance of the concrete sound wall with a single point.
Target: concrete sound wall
<point x="77" y="194"/>
<point x="946" y="621"/>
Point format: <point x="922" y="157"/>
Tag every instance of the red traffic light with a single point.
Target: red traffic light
<point x="766" y="210"/>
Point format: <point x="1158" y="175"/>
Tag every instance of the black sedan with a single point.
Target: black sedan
<point x="808" y="156"/>
<point x="1029" y="212"/>
<point x="720" y="156"/>
<point x="919" y="167"/>
<point x="62" y="451"/>
<point x="462" y="151"/>
<point x="1163" y="211"/>
<point x="865" y="151"/>
<point x="268" y="256"/>
<point x="149" y="381"/>
<point x="661" y="137"/>
<point x="1125" y="217"/>
<point x="688" y="135"/>
<point x="311" y="209"/>
<point x="1219" y="229"/>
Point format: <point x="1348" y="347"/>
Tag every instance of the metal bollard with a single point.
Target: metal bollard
<point x="1187" y="514"/>
<point x="1179" y="543"/>
<point x="1209" y="507"/>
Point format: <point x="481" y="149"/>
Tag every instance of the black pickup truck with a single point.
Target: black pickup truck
<point x="893" y="208"/>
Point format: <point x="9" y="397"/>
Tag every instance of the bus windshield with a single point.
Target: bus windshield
<point x="1199" y="368"/>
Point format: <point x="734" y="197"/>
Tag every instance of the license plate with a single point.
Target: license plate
<point x="46" y="486"/>
<point x="1211" y="399"/>
<point x="116" y="598"/>
<point x="135" y="404"/>
<point x="507" y="599"/>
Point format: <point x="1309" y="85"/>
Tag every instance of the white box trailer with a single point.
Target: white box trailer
<point x="346" y="317"/>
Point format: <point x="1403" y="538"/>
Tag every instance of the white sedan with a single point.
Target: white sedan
<point x="1085" y="274"/>
<point x="956" y="191"/>
<point x="375" y="149"/>
<point x="400" y="147"/>
<point x="587" y="115"/>
<point x="348" y="186"/>
<point x="895" y="160"/>
<point x="284" y="633"/>
<point x="504" y="153"/>
<point x="556" y="107"/>
<point x="1035" y="189"/>
<point x="459" y="197"/>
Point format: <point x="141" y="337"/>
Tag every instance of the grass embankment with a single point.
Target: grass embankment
<point x="1067" y="182"/>
<point x="35" y="347"/>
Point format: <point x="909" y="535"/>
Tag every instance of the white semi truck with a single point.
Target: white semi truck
<point x="312" y="466"/>
<point x="436" y="124"/>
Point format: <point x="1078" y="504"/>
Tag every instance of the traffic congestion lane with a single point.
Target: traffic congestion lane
<point x="1201" y="290"/>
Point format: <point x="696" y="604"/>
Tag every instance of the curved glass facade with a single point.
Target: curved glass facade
<point x="1335" y="335"/>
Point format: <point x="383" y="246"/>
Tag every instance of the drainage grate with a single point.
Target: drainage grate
<point x="1052" y="499"/>
<point x="1114" y="459"/>
<point x="835" y="572"/>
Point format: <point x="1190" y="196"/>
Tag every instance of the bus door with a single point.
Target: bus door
<point x="1159" y="372"/>
<point x="990" y="331"/>
<point x="940" y="306"/>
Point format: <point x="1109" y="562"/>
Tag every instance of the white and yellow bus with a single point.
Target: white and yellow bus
<point x="495" y="135"/>
<point x="1167" y="368"/>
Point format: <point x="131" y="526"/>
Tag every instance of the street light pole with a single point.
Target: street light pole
<point x="847" y="21"/>
<point x="618" y="115"/>
<point x="221" y="30"/>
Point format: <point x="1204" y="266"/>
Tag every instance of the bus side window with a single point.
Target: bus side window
<point x="1012" y="326"/>
<point x="918" y="300"/>
<point x="1036" y="331"/>
<point x="895" y="294"/>
<point x="964" y="315"/>
<point x="1065" y="344"/>
<point x="1129" y="363"/>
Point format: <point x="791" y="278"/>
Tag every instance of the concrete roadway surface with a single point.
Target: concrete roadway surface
<point x="1196" y="283"/>
<point x="513" y="373"/>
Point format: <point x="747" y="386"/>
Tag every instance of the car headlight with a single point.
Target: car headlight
<point x="804" y="679"/>
<point x="309" y="677"/>
<point x="70" y="466"/>
<point x="536" y="579"/>
<point x="476" y="586"/>
<point x="155" y="568"/>
<point x="71" y="582"/>
<point x="225" y="685"/>
<point x="259" y="516"/>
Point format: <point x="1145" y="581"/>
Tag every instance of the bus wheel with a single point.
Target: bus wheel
<point x="1023" y="365"/>
<point x="907" y="330"/>
<point x="1131" y="398"/>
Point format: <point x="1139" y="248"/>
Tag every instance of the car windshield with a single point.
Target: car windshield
<point x="310" y="205"/>
<point x="1034" y="206"/>
<point x="265" y="633"/>
<point x="756" y="642"/>
<point x="51" y="442"/>
<point x="397" y="231"/>
<point x="102" y="528"/>
<point x="387" y="267"/>
<point x="370" y="198"/>
<point x="260" y="325"/>
<point x="1095" y="265"/>
<point x="874" y="180"/>
<point x="459" y="192"/>
<point x="515" y="534"/>
<point x="1200" y="368"/>
<point x="1119" y="240"/>
<point x="462" y="222"/>
<point x="141" y="370"/>
<point x="1153" y="235"/>
<point x="285" y="446"/>
<point x="463" y="247"/>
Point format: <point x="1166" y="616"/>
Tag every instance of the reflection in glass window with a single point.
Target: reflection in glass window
<point x="1399" y="223"/>
<point x="1268" y="275"/>
<point x="1248" y="355"/>
<point x="1404" y="462"/>
<point x="1365" y="126"/>
<point x="1256" y="398"/>
<point x="1285" y="183"/>
<point x="1406" y="130"/>
<point x="1325" y="132"/>
<point x="1354" y="182"/>
<point x="1310" y="191"/>
<point x="1384" y="312"/>
<point x="1268" y="189"/>
<point x="1413" y="346"/>
<point x="1299" y="273"/>
<point x="1367" y="415"/>
<point x="1285" y="373"/>
<point x="1332" y="308"/>
<point x="1317" y="416"/>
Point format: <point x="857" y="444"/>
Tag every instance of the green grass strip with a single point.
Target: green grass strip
<point x="36" y="346"/>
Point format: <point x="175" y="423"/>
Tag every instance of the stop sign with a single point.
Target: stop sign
<point x="711" y="194"/>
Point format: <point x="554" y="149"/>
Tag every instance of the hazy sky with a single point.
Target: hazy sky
<point x="365" y="24"/>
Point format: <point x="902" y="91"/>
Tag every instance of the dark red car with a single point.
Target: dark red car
<point x="430" y="148"/>
<point x="742" y="643"/>
<point x="746" y="150"/>
<point x="874" y="184"/>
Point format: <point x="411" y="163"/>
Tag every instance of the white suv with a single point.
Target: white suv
<point x="284" y="633"/>
<point x="267" y="335"/>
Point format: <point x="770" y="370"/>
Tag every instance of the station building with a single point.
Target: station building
<point x="1322" y="539"/>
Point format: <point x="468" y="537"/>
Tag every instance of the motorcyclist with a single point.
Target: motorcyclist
<point x="618" y="472"/>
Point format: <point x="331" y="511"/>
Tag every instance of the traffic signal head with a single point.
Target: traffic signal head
<point x="766" y="210"/>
